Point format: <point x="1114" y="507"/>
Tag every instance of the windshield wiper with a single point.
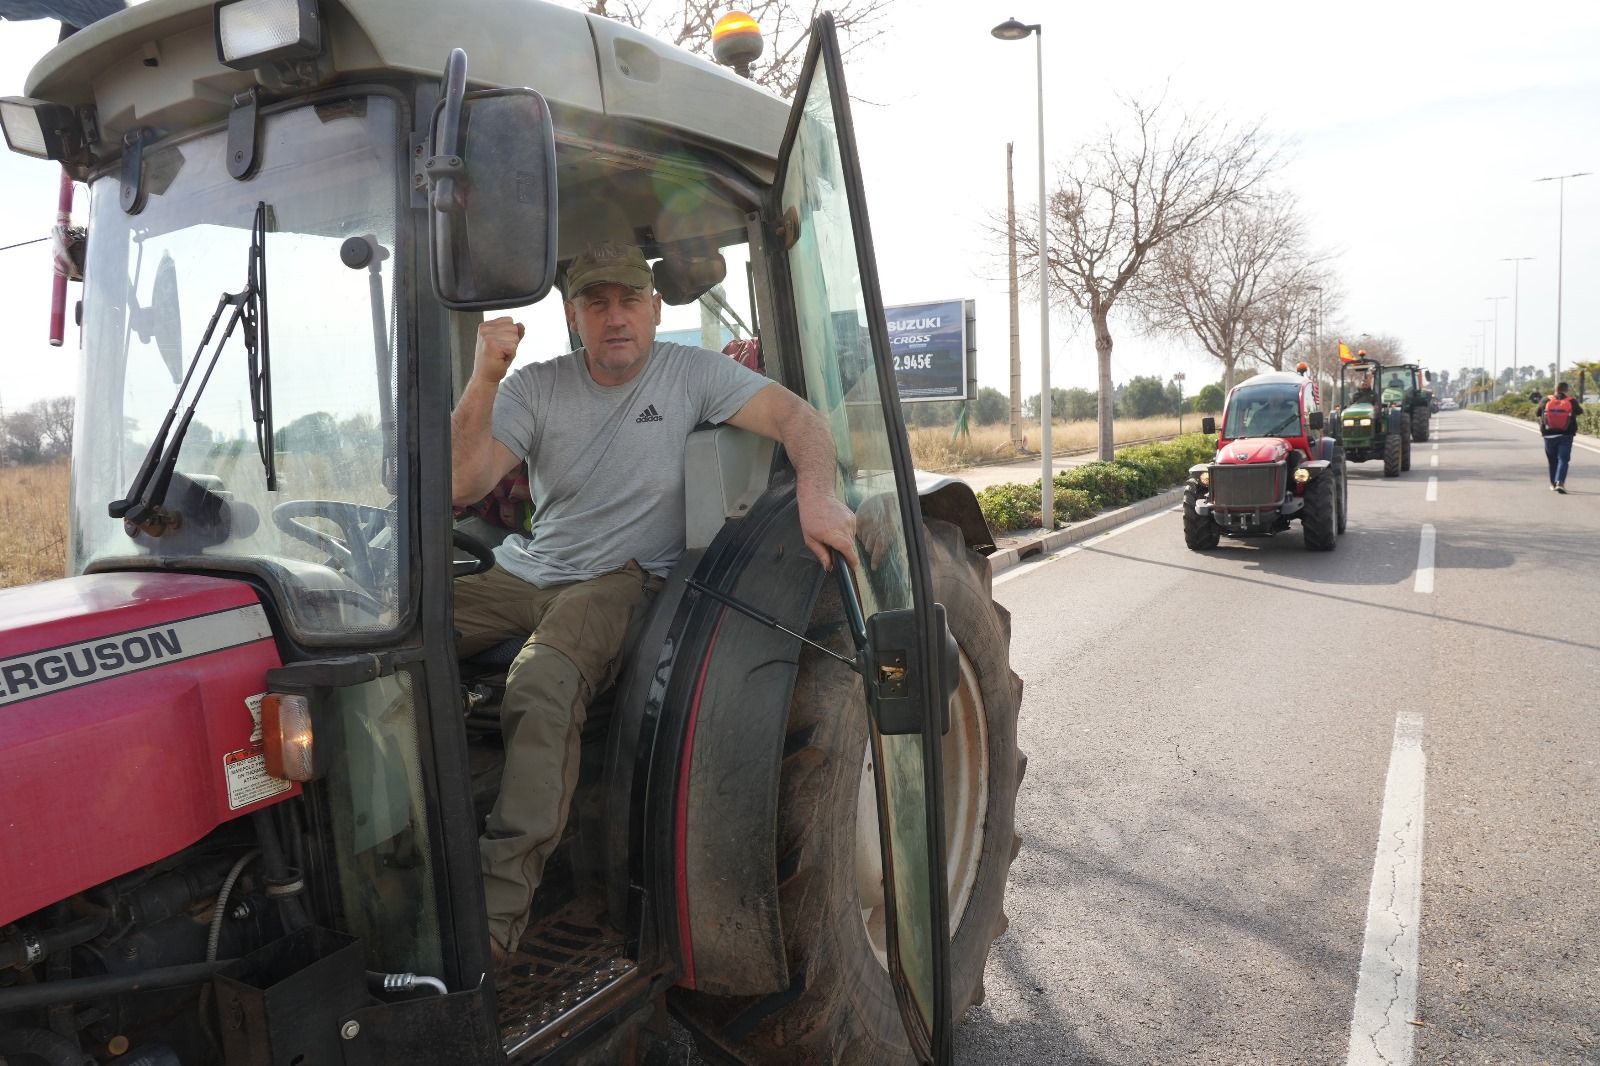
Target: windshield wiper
<point x="143" y="509"/>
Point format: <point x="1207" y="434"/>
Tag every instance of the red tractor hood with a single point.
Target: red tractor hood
<point x="1247" y="450"/>
<point x="126" y="725"/>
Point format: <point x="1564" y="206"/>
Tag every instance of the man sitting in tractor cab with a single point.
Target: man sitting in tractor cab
<point x="602" y="430"/>
<point x="1278" y="416"/>
<point x="1363" y="388"/>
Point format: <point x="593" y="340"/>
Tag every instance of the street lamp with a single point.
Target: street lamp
<point x="1561" y="221"/>
<point x="1316" y="346"/>
<point x="1494" y="380"/>
<point x="1012" y="30"/>
<point x="1516" y="262"/>
<point x="1178" y="377"/>
<point x="1483" y="348"/>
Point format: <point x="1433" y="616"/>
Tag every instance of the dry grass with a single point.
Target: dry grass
<point x="932" y="448"/>
<point x="33" y="523"/>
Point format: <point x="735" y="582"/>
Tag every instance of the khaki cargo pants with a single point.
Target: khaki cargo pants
<point x="577" y="637"/>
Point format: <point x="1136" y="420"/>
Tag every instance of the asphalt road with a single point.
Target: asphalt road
<point x="1215" y="739"/>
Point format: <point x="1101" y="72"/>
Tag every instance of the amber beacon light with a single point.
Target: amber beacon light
<point x="736" y="42"/>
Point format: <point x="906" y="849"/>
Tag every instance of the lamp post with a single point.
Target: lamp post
<point x="1316" y="346"/>
<point x="1012" y="30"/>
<point x="1483" y="348"/>
<point x="1516" y="262"/>
<point x="1178" y="377"/>
<point x="1494" y="380"/>
<point x="1561" y="222"/>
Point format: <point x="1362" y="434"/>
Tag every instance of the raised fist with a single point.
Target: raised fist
<point x="497" y="346"/>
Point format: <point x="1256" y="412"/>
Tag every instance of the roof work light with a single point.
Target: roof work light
<point x="41" y="129"/>
<point x="255" y="33"/>
<point x="736" y="42"/>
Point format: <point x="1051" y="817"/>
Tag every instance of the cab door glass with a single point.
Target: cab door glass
<point x="830" y="283"/>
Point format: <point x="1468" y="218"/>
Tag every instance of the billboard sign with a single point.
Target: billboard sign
<point x="930" y="343"/>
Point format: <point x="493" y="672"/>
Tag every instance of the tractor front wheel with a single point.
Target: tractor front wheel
<point x="1419" y="425"/>
<point x="1391" y="455"/>
<point x="1342" y="493"/>
<point x="1200" y="533"/>
<point x="1319" y="519"/>
<point x="841" y="1006"/>
<point x="1405" y="444"/>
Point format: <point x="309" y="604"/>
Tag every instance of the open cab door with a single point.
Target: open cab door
<point x="905" y="654"/>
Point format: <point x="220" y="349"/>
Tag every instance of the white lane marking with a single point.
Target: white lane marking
<point x="1074" y="549"/>
<point x="1534" y="428"/>
<point x="1435" y="445"/>
<point x="1433" y="489"/>
<point x="1425" y="560"/>
<point x="1386" y="991"/>
<point x="1433" y="460"/>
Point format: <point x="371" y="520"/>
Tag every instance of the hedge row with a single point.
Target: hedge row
<point x="1082" y="492"/>
<point x="1518" y="406"/>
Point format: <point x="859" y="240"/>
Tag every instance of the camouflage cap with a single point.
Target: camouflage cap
<point x="619" y="264"/>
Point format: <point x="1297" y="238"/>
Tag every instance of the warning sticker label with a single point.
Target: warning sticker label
<point x="254" y="705"/>
<point x="248" y="782"/>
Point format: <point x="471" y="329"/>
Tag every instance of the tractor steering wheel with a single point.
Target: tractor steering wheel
<point x="482" y="555"/>
<point x="358" y="522"/>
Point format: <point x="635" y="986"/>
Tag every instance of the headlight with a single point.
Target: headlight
<point x="1205" y="478"/>
<point x="40" y="129"/>
<point x="1366" y="421"/>
<point x="253" y="33"/>
<point x="1302" y="476"/>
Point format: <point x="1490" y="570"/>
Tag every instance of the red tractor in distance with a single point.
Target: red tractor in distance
<point x="1274" y="464"/>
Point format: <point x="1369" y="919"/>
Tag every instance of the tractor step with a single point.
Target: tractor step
<point x="564" y="962"/>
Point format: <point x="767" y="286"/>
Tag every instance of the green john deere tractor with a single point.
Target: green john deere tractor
<point x="1371" y="421"/>
<point x="1416" y="398"/>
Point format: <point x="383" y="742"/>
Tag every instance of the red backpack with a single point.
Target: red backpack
<point x="1558" y="414"/>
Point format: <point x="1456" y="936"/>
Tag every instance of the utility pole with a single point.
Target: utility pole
<point x="1016" y="323"/>
<point x="1178" y="377"/>
<point x="1516" y="262"/>
<point x="1495" y="374"/>
<point x="1561" y="224"/>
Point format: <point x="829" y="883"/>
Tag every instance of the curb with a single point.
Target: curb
<point x="1046" y="543"/>
<point x="1583" y="439"/>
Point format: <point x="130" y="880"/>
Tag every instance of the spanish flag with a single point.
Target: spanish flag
<point x="1344" y="353"/>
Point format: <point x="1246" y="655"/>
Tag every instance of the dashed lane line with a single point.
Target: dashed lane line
<point x="1381" y="1033"/>
<point x="1424" y="579"/>
<point x="1433" y="460"/>
<point x="1433" y="489"/>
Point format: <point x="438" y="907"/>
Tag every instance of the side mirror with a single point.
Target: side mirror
<point x="492" y="211"/>
<point x="1314" y="420"/>
<point x="1208" y="425"/>
<point x="1427" y="375"/>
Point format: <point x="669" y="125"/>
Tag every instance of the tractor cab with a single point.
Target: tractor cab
<point x="300" y="211"/>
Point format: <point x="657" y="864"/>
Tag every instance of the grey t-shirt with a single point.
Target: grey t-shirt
<point x="605" y="463"/>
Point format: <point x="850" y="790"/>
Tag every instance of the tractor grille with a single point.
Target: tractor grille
<point x="1247" y="487"/>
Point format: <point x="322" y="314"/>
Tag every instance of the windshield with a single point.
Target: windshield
<point x="327" y="535"/>
<point x="1264" y="411"/>
<point x="1399" y="379"/>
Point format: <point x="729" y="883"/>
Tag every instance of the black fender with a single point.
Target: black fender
<point x="693" y="770"/>
<point x="952" y="500"/>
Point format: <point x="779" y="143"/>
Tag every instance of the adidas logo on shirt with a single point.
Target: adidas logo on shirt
<point x="650" y="414"/>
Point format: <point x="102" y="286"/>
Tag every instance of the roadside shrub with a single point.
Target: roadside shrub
<point x="1135" y="473"/>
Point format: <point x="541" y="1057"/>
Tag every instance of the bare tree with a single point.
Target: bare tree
<point x="785" y="28"/>
<point x="1215" y="281"/>
<point x="1125" y="197"/>
<point x="55" y="424"/>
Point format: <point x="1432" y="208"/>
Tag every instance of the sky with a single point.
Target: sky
<point x="1412" y="132"/>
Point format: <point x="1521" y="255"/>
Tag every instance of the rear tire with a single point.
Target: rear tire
<point x="1200" y="533"/>
<point x="1391" y="455"/>
<point x="841" y="1006"/>
<point x="1419" y="425"/>
<point x="1319" y="520"/>
<point x="1405" y="444"/>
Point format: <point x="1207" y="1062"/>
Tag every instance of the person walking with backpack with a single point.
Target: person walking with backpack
<point x="1558" y="421"/>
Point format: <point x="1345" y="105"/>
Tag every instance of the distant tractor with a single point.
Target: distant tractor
<point x="1371" y="420"/>
<point x="1416" y="398"/>
<point x="1274" y="464"/>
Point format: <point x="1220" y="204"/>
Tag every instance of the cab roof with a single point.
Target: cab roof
<point x="155" y="65"/>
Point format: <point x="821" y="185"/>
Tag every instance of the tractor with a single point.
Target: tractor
<point x="1371" y="421"/>
<point x="243" y="771"/>
<point x="1416" y="398"/>
<point x="1274" y="464"/>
